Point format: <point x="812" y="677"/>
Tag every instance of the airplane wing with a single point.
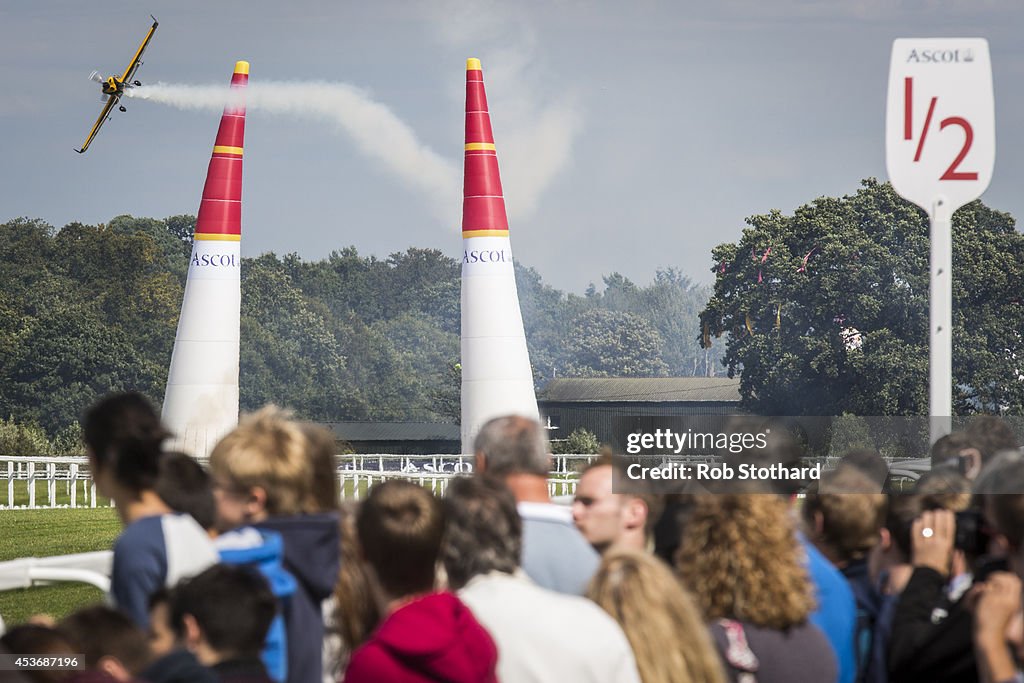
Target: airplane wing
<point x="111" y="101"/>
<point x="134" y="64"/>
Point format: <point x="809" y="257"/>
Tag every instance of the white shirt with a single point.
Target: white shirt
<point x="548" y="637"/>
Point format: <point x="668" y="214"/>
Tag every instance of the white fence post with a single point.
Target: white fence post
<point x="51" y="483"/>
<point x="73" y="483"/>
<point x="31" y="471"/>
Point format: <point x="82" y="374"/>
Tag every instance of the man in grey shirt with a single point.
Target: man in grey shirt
<point x="555" y="554"/>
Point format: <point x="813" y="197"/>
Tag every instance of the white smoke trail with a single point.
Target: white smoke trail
<point x="377" y="132"/>
<point x="536" y="114"/>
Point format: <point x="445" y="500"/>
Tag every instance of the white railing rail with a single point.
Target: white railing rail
<point x="91" y="568"/>
<point x="41" y="482"/>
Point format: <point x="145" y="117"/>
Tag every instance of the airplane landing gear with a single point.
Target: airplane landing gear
<point x="122" y="108"/>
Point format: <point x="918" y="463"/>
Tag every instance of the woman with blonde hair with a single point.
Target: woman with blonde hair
<point x="742" y="561"/>
<point x="664" y="626"/>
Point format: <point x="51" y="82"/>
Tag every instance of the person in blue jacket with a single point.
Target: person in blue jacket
<point x="263" y="477"/>
<point x="186" y="487"/>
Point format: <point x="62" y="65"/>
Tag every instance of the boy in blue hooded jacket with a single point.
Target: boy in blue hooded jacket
<point x="186" y="487"/>
<point x="263" y="477"/>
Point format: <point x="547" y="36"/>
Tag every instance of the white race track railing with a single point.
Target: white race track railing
<point x="40" y="482"/>
<point x="68" y="483"/>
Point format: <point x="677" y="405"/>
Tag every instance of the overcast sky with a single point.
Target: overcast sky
<point x="631" y="136"/>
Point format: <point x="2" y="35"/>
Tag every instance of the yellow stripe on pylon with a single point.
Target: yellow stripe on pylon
<point x="476" y="146"/>
<point x="485" y="233"/>
<point x="225" y="149"/>
<point x="217" y="237"/>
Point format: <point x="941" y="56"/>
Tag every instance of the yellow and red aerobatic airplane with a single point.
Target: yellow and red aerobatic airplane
<point x="113" y="86"/>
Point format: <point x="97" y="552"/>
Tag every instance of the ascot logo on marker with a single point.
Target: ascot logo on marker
<point x="215" y="260"/>
<point x="940" y="56"/>
<point x="486" y="256"/>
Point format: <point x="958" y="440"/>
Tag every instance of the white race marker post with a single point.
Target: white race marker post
<point x="940" y="146"/>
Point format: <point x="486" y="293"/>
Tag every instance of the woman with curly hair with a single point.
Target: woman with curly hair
<point x="741" y="560"/>
<point x="661" y="621"/>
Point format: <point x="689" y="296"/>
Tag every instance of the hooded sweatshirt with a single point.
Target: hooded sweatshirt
<point x="312" y="554"/>
<point x="432" y="638"/>
<point x="264" y="550"/>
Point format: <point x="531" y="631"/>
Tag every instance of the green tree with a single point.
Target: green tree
<point x="428" y="354"/>
<point x="672" y="304"/>
<point x="183" y="229"/>
<point x="23" y="439"/>
<point x="612" y="344"/>
<point x="447" y="395"/>
<point x="826" y="311"/>
<point x="289" y="354"/>
<point x="547" y="313"/>
<point x="66" y="358"/>
<point x="580" y="441"/>
<point x="134" y="273"/>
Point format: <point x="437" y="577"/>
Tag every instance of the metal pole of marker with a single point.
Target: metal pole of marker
<point x="940" y="343"/>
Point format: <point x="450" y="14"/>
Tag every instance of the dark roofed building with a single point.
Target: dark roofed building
<point x="594" y="403"/>
<point x="400" y="438"/>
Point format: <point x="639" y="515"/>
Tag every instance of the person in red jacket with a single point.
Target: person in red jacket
<point x="425" y="635"/>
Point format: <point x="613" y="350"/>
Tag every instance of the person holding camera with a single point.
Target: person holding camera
<point x="931" y="637"/>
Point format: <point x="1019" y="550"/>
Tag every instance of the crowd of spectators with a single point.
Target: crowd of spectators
<point x="251" y="570"/>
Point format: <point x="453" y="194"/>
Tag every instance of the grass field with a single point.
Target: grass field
<point x="39" y="533"/>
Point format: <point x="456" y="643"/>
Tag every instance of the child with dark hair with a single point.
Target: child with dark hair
<point x="110" y="641"/>
<point x="170" y="662"/>
<point x="224" y="614"/>
<point x="123" y="438"/>
<point x="187" y="487"/>
<point x="33" y="639"/>
<point x="9" y="676"/>
<point x="425" y="635"/>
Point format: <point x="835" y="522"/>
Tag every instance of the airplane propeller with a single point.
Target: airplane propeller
<point x="95" y="76"/>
